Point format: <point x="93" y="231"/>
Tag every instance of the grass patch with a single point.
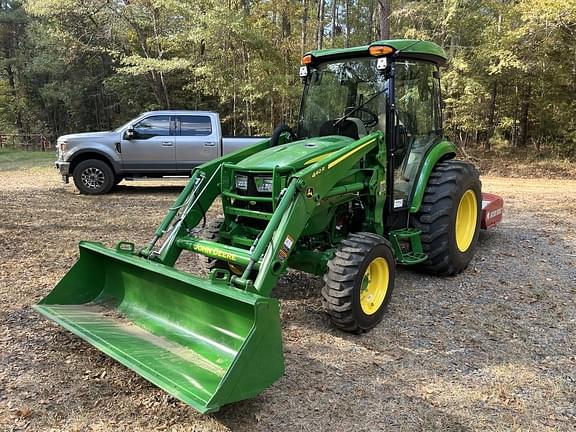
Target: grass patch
<point x="18" y="159"/>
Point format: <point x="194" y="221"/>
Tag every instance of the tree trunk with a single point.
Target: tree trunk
<point x="384" y="19"/>
<point x="286" y="27"/>
<point x="347" y="12"/>
<point x="12" y="84"/>
<point x="10" y="42"/>
<point x="304" y="26"/>
<point x="165" y="90"/>
<point x="452" y="50"/>
<point x="320" y="28"/>
<point x="370" y="36"/>
<point x="333" y="23"/>
<point x="248" y="98"/>
<point x="491" y="115"/>
<point x="515" y="124"/>
<point x="523" y="142"/>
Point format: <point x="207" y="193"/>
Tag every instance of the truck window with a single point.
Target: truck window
<point x="195" y="125"/>
<point x="152" y="126"/>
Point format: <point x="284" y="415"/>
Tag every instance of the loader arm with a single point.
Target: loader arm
<point x="191" y="205"/>
<point x="306" y="189"/>
<point x="269" y="253"/>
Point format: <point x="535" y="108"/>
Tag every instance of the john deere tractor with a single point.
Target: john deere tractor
<point x="365" y="181"/>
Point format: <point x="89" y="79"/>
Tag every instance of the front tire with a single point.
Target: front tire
<point x="212" y="233"/>
<point x="449" y="217"/>
<point x="93" y="177"/>
<point x="359" y="282"/>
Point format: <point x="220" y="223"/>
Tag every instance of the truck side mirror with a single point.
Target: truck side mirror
<point x="129" y="134"/>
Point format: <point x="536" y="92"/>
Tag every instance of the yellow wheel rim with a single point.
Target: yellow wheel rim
<point x="466" y="219"/>
<point x="374" y="286"/>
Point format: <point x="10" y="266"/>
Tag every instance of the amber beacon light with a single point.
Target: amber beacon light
<point x="380" y="50"/>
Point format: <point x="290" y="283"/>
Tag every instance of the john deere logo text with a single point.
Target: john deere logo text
<point x="214" y="252"/>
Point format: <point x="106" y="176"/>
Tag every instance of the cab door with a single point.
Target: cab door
<point x="417" y="99"/>
<point x="151" y="148"/>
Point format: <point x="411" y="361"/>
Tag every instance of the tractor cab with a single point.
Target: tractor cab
<point x="356" y="92"/>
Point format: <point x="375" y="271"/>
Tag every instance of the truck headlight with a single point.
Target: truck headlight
<point x="263" y="184"/>
<point x="62" y="146"/>
<point x="241" y="182"/>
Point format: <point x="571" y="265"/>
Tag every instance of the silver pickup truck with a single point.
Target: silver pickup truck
<point x="155" y="144"/>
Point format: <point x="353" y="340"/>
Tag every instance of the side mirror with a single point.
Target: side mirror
<point x="129" y="134"/>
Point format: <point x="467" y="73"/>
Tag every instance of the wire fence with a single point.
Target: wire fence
<point x="29" y="142"/>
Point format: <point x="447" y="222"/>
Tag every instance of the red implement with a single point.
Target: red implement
<point x="492" y="207"/>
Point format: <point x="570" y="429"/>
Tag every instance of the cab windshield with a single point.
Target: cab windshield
<point x="336" y="88"/>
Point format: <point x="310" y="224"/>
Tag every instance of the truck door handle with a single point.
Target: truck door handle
<point x="167" y="144"/>
<point x="209" y="144"/>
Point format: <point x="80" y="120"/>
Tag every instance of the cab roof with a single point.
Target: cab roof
<point x="404" y="48"/>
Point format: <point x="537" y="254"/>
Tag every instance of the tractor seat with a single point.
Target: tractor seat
<point x="346" y="128"/>
<point x="362" y="132"/>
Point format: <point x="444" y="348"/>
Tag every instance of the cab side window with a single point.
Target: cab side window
<point x="418" y="98"/>
<point x="195" y="125"/>
<point x="151" y="127"/>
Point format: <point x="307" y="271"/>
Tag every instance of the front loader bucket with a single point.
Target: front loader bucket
<point x="203" y="342"/>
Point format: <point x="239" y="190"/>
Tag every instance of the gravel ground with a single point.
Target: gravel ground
<point x="491" y="349"/>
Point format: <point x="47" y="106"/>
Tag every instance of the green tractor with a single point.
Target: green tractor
<point x="365" y="181"/>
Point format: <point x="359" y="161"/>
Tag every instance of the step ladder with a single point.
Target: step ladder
<point x="413" y="254"/>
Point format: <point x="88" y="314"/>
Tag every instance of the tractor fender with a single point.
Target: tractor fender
<point x="442" y="151"/>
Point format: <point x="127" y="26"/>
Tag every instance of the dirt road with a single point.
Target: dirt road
<point x="491" y="349"/>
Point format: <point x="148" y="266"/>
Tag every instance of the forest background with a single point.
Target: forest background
<point x="79" y="65"/>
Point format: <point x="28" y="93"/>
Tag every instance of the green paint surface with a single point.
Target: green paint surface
<point x="404" y="46"/>
<point x="442" y="150"/>
<point x="294" y="154"/>
<point x="207" y="344"/>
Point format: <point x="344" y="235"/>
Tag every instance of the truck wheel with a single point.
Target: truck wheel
<point x="449" y="217"/>
<point x="93" y="177"/>
<point x="211" y="232"/>
<point x="359" y="282"/>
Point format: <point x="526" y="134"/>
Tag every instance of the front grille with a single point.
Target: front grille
<point x="251" y="189"/>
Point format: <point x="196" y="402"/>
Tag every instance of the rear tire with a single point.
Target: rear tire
<point x="93" y="177"/>
<point x="359" y="282"/>
<point x="449" y="217"/>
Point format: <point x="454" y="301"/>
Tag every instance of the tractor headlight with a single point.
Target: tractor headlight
<point x="242" y="182"/>
<point x="263" y="184"/>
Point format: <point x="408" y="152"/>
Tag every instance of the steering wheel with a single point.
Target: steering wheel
<point x="369" y="120"/>
<point x="282" y="130"/>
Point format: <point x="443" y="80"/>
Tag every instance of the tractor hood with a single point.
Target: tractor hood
<point x="296" y="154"/>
